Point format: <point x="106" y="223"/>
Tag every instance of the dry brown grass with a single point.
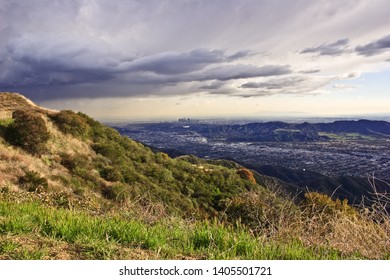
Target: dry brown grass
<point x="142" y="208"/>
<point x="320" y="223"/>
<point x="349" y="235"/>
<point x="363" y="232"/>
<point x="39" y="247"/>
<point x="10" y="102"/>
<point x="15" y="162"/>
<point x="61" y="143"/>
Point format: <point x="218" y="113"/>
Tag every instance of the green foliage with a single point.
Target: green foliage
<point x="33" y="182"/>
<point x="78" y="165"/>
<point x="99" y="131"/>
<point x="111" y="150"/>
<point x="72" y="123"/>
<point x="191" y="159"/>
<point x="118" y="192"/>
<point x="6" y="122"/>
<point x="28" y="131"/>
<point x="83" y="169"/>
<point x="160" y="174"/>
<point x="111" y="174"/>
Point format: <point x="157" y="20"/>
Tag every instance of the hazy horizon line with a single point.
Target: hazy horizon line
<point x="377" y="117"/>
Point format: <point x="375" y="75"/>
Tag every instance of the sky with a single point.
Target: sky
<point x="160" y="59"/>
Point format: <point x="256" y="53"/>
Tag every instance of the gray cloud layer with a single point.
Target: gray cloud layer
<point x="173" y="63"/>
<point x="376" y="47"/>
<point x="336" y="48"/>
<point x="341" y="46"/>
<point x="32" y="62"/>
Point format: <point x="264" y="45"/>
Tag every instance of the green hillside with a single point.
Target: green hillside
<point x="72" y="188"/>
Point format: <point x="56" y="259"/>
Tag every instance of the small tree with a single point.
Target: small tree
<point x="246" y="174"/>
<point x="28" y="131"/>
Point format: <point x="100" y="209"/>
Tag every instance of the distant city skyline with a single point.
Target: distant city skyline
<point x="169" y="59"/>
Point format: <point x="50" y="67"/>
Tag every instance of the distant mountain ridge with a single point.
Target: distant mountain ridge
<point x="278" y="131"/>
<point x="364" y="127"/>
<point x="282" y="131"/>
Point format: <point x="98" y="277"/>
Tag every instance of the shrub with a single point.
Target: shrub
<point x="111" y="174"/>
<point x="161" y="175"/>
<point x="118" y="192"/>
<point x="111" y="150"/>
<point x="262" y="212"/>
<point x="28" y="131"/>
<point x="32" y="181"/>
<point x="75" y="162"/>
<point x="322" y="203"/>
<point x="246" y="174"/>
<point x="83" y="168"/>
<point x="161" y="157"/>
<point x="72" y="123"/>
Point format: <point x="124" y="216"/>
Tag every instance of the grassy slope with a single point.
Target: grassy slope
<point x="109" y="197"/>
<point x="61" y="233"/>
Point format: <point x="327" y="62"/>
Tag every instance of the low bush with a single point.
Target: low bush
<point x="28" y="131"/>
<point x="118" y="192"/>
<point x="111" y="174"/>
<point x="33" y="182"/>
<point x="321" y="203"/>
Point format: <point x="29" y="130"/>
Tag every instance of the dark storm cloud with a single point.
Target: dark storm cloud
<point x="221" y="73"/>
<point x="54" y="60"/>
<point x="331" y="49"/>
<point x="51" y="60"/>
<point x="29" y="63"/>
<point x="173" y="63"/>
<point x="376" y="47"/>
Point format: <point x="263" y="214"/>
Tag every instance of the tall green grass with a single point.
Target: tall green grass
<point x="101" y="236"/>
